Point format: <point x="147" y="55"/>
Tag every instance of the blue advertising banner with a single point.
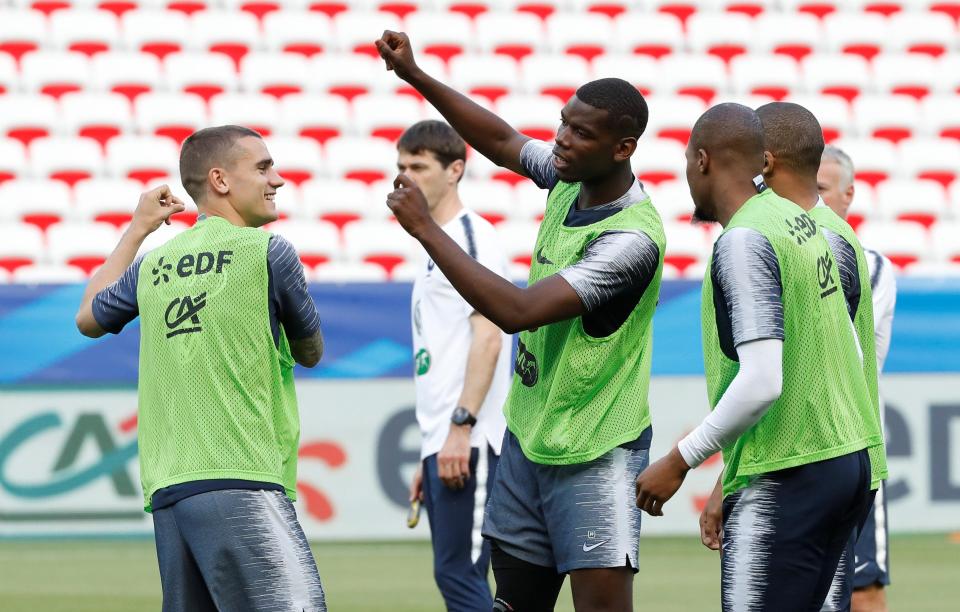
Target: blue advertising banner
<point x="367" y="332"/>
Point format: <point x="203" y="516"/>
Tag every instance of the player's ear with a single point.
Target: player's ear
<point x="455" y="171"/>
<point x="848" y="192"/>
<point x="768" y="162"/>
<point x="218" y="181"/>
<point x="703" y="161"/>
<point x="624" y="149"/>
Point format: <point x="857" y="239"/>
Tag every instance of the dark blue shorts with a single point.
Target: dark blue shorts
<point x="567" y="517"/>
<point x="235" y="550"/>
<point x="784" y="534"/>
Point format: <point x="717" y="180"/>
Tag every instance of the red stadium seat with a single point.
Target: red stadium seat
<point x="296" y="159"/>
<point x="364" y="159"/>
<point x="20" y="245"/>
<point x="296" y="32"/>
<point x="13" y="160"/>
<point x="129" y="74"/>
<point x="516" y="35"/>
<point x="916" y="201"/>
<point x="84" y="31"/>
<point x="700" y="76"/>
<point x="22" y="31"/>
<point x="903" y="243"/>
<point x="55" y="73"/>
<point x="203" y="74"/>
<point x="725" y="35"/>
<point x="316" y="116"/>
<point x="41" y="203"/>
<point x="142" y="158"/>
<point x="470" y="8"/>
<point x="842" y="75"/>
<point x="232" y="34"/>
<point x="553" y="75"/>
<point x="258" y="112"/>
<point x="490" y="76"/>
<point x="274" y="74"/>
<point x="173" y="115"/>
<point x="84" y="245"/>
<point x="658" y="161"/>
<point x="586" y="35"/>
<point x="158" y="33"/>
<point x="95" y="115"/>
<point x="27" y="117"/>
<point x="316" y="242"/>
<point x="931" y="159"/>
<point x="892" y="118"/>
<point x="653" y="34"/>
<point x="863" y="34"/>
<point x="874" y="160"/>
<point x="795" y="35"/>
<point x="776" y="76"/>
<point x="686" y="245"/>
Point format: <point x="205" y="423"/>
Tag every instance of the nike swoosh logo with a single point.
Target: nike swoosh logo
<point x="593" y="546"/>
<point x="861" y="567"/>
<point x="541" y="259"/>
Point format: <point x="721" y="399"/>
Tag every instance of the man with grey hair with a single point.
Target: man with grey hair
<point x="835" y="182"/>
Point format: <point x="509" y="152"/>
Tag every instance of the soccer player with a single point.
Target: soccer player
<point x="462" y="368"/>
<point x="794" y="145"/>
<point x="791" y="409"/>
<point x="578" y="422"/>
<point x="871" y="562"/>
<point x="224" y="312"/>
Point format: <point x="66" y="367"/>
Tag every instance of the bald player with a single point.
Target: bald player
<point x="793" y="433"/>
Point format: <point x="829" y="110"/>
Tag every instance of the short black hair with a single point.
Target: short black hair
<point x="730" y="129"/>
<point x="625" y="105"/>
<point x="436" y="137"/>
<point x="793" y="135"/>
<point x="208" y="148"/>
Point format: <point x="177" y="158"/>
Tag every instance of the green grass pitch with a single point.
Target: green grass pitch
<point x="677" y="574"/>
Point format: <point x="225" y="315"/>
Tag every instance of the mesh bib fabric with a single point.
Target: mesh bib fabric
<point x="216" y="397"/>
<point x="574" y="397"/>
<point x="824" y="409"/>
<point x="863" y="323"/>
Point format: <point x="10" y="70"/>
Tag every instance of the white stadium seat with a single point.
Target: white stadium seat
<point x="22" y="31"/>
<point x="84" y="245"/>
<point x="363" y="159"/>
<point x="156" y="32"/>
<point x="13" y="159"/>
<point x="100" y="116"/>
<point x="902" y="243"/>
<point x="917" y="201"/>
<point x="66" y="159"/>
<point x="651" y="34"/>
<point x="316" y="242"/>
<point x="54" y="73"/>
<point x="130" y="74"/>
<point x="20" y="245"/>
<point x="203" y="74"/>
<point x="316" y="116"/>
<point x="174" y="115"/>
<point x="512" y="34"/>
<point x="142" y="158"/>
<point x="553" y="75"/>
<point x="306" y="33"/>
<point x="106" y="200"/>
<point x="491" y="76"/>
<point x="384" y="116"/>
<point x="586" y="35"/>
<point x="258" y="112"/>
<point x="337" y="201"/>
<point x="84" y="31"/>
<point x="39" y="202"/>
<point x="44" y="274"/>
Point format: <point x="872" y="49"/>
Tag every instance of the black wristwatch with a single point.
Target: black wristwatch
<point x="462" y="416"/>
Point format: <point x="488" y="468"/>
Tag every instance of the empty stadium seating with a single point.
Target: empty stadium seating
<point x="95" y="98"/>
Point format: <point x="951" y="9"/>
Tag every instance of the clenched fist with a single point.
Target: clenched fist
<point x="395" y="49"/>
<point x="409" y="206"/>
<point x="155" y="207"/>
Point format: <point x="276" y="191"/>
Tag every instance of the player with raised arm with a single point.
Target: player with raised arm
<point x="578" y="424"/>
<point x="791" y="410"/>
<point x="462" y="373"/>
<point x="224" y="313"/>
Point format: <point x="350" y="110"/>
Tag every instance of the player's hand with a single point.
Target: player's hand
<point x="453" y="460"/>
<point x="416" y="485"/>
<point x="658" y="483"/>
<point x="711" y="520"/>
<point x="409" y="206"/>
<point x="154" y="208"/>
<point x="395" y="49"/>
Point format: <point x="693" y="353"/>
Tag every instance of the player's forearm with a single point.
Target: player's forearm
<point x="507" y="306"/>
<point x="481" y="129"/>
<point x="111" y="270"/>
<point x="481" y="365"/>
<point x="755" y="387"/>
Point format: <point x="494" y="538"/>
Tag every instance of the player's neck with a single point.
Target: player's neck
<point x="799" y="190"/>
<point x="732" y="194"/>
<point x="448" y="208"/>
<point x="606" y="189"/>
<point x="223" y="210"/>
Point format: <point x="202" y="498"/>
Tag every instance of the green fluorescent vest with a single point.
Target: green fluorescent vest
<point x="825" y="409"/>
<point x="575" y="397"/>
<point x="216" y="397"/>
<point x="863" y="323"/>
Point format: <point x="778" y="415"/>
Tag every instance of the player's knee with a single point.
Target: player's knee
<point x="521" y="585"/>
